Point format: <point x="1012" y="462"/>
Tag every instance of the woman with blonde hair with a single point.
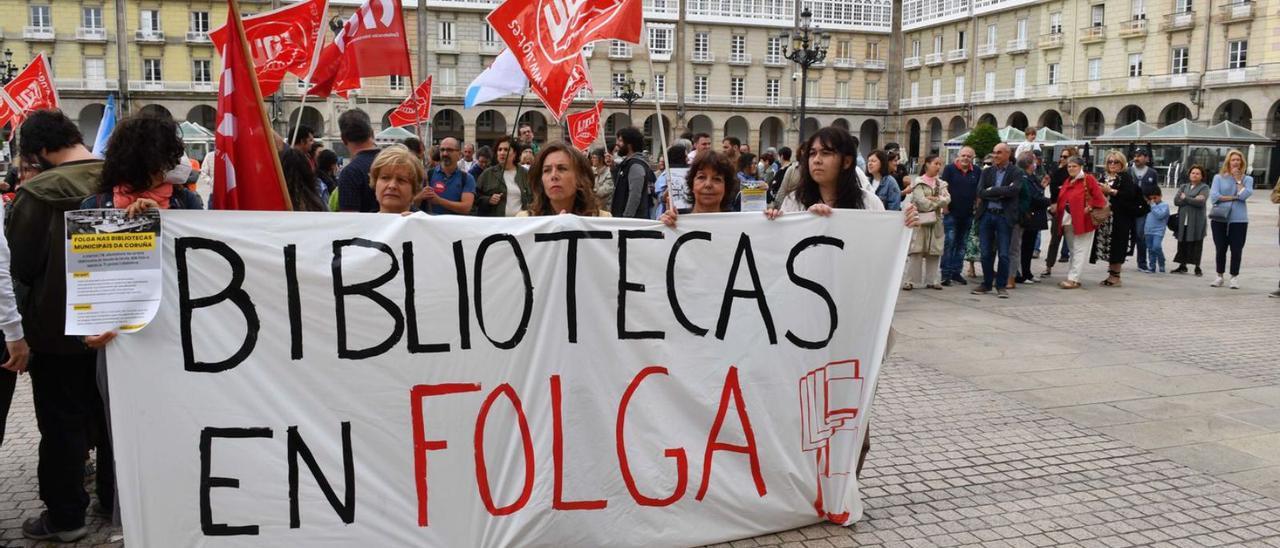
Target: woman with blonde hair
<point x="1229" y="216"/>
<point x="396" y="179"/>
<point x="561" y="181"/>
<point x="1112" y="236"/>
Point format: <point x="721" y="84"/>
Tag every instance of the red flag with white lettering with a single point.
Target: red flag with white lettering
<point x="371" y="43"/>
<point x="247" y="171"/>
<point x="548" y="37"/>
<point x="31" y="90"/>
<point x="584" y="126"/>
<point x="415" y="109"/>
<point x="286" y="40"/>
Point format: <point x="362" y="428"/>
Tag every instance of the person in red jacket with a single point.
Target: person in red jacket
<point x="1079" y="196"/>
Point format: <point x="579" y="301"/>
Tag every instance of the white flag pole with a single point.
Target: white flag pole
<point x="661" y="136"/>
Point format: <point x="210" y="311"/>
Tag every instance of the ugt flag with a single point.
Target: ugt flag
<point x="286" y="40"/>
<point x="414" y="109"/>
<point x="31" y="90"/>
<point x="371" y="43"/>
<point x="247" y="168"/>
<point x="584" y="126"/>
<point x="549" y="36"/>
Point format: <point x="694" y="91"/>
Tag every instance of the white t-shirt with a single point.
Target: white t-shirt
<point x="513" y="193"/>
<point x="791" y="204"/>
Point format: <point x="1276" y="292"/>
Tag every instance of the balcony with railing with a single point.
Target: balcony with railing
<point x="620" y="50"/>
<point x="1050" y="41"/>
<point x="37" y="33"/>
<point x="848" y="103"/>
<point x="702" y="58"/>
<point x="958" y="55"/>
<point x="171" y="85"/>
<point x="934" y="59"/>
<point x="491" y="47"/>
<point x="912" y="62"/>
<point x="1092" y="34"/>
<point x="91" y="34"/>
<point x="1017" y="45"/>
<point x="1226" y="77"/>
<point x="1174" y="81"/>
<point x="740" y="59"/>
<point x="944" y="100"/>
<point x="981" y="7"/>
<point x="1133" y="28"/>
<point x="874" y="64"/>
<point x="775" y="60"/>
<point x="143" y="36"/>
<point x="89" y="84"/>
<point x="662" y="9"/>
<point x="779" y="13"/>
<point x="988" y="50"/>
<point x="447" y="45"/>
<point x="845" y="63"/>
<point x="663" y="55"/>
<point x="198" y="37"/>
<point x="1179" y="21"/>
<point x="1235" y="12"/>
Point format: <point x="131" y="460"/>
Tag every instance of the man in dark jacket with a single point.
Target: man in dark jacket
<point x="63" y="381"/>
<point x="1148" y="180"/>
<point x="998" y="192"/>
<point x="962" y="182"/>
<point x="634" y="179"/>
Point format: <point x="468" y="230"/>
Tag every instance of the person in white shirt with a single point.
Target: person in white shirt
<point x="1030" y="145"/>
<point x="14" y="340"/>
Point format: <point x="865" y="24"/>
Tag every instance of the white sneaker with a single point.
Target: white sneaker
<point x="1217" y="282"/>
<point x="1235" y="282"/>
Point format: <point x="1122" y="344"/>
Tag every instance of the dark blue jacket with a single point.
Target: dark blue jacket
<point x="1006" y="195"/>
<point x="963" y="188"/>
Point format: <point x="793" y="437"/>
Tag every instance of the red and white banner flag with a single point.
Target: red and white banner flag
<point x="584" y="126"/>
<point x="247" y="173"/>
<point x="415" y="109"/>
<point x="371" y="43"/>
<point x="286" y="40"/>
<point x="548" y="37"/>
<point x="31" y="90"/>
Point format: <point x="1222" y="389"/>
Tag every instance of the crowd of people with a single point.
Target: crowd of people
<point x="959" y="212"/>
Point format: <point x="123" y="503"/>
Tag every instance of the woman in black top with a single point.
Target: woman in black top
<point x="1127" y="204"/>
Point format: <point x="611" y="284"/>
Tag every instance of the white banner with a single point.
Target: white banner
<point x="375" y="380"/>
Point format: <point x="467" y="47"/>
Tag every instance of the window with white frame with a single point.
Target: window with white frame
<point x="736" y="88"/>
<point x="95" y="69"/>
<point x="1095" y="69"/>
<point x="772" y="89"/>
<point x="199" y="21"/>
<point x="1135" y="65"/>
<point x="915" y="90"/>
<point x="151" y="71"/>
<point x="202" y="71"/>
<point x="1182" y="6"/>
<point x="701" y="45"/>
<point x="1179" y="57"/>
<point x="738" y="47"/>
<point x="844" y="49"/>
<point x="915" y="48"/>
<point x="444" y="33"/>
<point x="937" y="43"/>
<point x="773" y="52"/>
<point x="91" y="17"/>
<point x="842" y="91"/>
<point x="661" y="39"/>
<point x="490" y="35"/>
<point x="873" y="50"/>
<point x="618" y="48"/>
<point x="989" y="81"/>
<point x="1051" y="74"/>
<point x="40" y="17"/>
<point x="149" y="20"/>
<point x="813" y="92"/>
<point x="937" y="88"/>
<point x="960" y="40"/>
<point x="660" y="86"/>
<point x="991" y="35"/>
<point x="872" y="91"/>
<point x="396" y="82"/>
<point x="1022" y="30"/>
<point x="1097" y="14"/>
<point x="700" y="89"/>
<point x="1138" y="9"/>
<point x="1055" y="22"/>
<point x="1019" y="79"/>
<point x="446" y="79"/>
<point x="1237" y="54"/>
<point x="617" y="80"/>
<point x="960" y="88"/>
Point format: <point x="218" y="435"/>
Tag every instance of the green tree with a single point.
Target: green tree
<point x="982" y="139"/>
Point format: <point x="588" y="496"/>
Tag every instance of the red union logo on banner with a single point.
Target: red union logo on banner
<point x="280" y="41"/>
<point x="564" y="26"/>
<point x="584" y="126"/>
<point x="415" y="108"/>
<point x="31" y="90"/>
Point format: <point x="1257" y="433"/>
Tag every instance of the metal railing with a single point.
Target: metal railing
<point x="91" y="34"/>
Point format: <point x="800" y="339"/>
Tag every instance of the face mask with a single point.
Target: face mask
<point x="178" y="175"/>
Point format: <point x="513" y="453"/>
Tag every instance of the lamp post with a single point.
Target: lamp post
<point x="8" y="70"/>
<point x="629" y="91"/>
<point x="807" y="47"/>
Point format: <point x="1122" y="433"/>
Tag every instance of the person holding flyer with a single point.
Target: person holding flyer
<point x="712" y="190"/>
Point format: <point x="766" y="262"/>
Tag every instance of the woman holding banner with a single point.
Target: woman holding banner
<point x="561" y="181"/>
<point x="396" y="178"/>
<point x="713" y="187"/>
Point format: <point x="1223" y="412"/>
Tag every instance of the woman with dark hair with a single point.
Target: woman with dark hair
<point x="883" y="183"/>
<point x="560" y="179"/>
<point x="1192" y="223"/>
<point x="327" y="173"/>
<point x="503" y="189"/>
<point x="712" y="188"/>
<point x="1127" y="204"/>
<point x="603" y="176"/>
<point x="144" y="168"/>
<point x="830" y="179"/>
<point x="300" y="180"/>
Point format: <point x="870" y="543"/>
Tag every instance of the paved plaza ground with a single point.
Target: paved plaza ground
<point x="1146" y="415"/>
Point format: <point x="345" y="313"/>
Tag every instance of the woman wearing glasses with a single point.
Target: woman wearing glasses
<point x="1127" y="204"/>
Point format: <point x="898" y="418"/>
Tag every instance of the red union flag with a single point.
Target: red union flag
<point x="247" y="173"/>
<point x="31" y="90"/>
<point x="282" y="41"/>
<point x="371" y="43"/>
<point x="547" y="37"/>
<point x="414" y="109"/>
<point x="584" y="126"/>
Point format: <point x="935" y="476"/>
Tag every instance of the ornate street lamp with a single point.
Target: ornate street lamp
<point x="807" y="46"/>
<point x="8" y="70"/>
<point x="629" y="91"/>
